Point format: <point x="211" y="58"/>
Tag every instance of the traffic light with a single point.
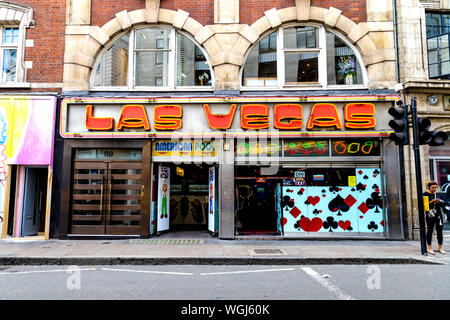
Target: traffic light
<point x="438" y="138"/>
<point x="423" y="126"/>
<point x="399" y="124"/>
<point x="432" y="138"/>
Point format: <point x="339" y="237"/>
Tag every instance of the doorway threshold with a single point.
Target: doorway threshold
<point x="101" y="237"/>
<point x="259" y="237"/>
<point x="28" y="238"/>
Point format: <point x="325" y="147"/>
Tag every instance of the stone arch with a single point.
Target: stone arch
<point x="373" y="57"/>
<point x="85" y="43"/>
<point x="357" y="34"/>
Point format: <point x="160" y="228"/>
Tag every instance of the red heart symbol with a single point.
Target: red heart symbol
<point x="340" y="189"/>
<point x="313" y="225"/>
<point x="283" y="221"/>
<point x="361" y="217"/>
<point x="324" y="195"/>
<point x="313" y="200"/>
<point x="344" y="224"/>
<point x="374" y="175"/>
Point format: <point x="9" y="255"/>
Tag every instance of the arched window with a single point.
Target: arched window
<point x="152" y="57"/>
<point x="302" y="56"/>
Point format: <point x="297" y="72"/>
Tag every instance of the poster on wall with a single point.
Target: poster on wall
<point x="211" y="199"/>
<point x="163" y="199"/>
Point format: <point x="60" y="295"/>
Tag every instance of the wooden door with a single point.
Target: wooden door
<point x="106" y="197"/>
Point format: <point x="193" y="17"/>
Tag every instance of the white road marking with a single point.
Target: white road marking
<point x="330" y="287"/>
<point x="248" y="271"/>
<point x="149" y="271"/>
<point x="46" y="271"/>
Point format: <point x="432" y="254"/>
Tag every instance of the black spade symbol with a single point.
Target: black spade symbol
<point x="315" y="211"/>
<point x="323" y="190"/>
<point x="353" y="189"/>
<point x="372" y="226"/>
<point x="287" y="202"/>
<point x="374" y="201"/>
<point x="330" y="224"/>
<point x="334" y="189"/>
<point x="350" y="228"/>
<point x="360" y="187"/>
<point x="365" y="177"/>
<point x="338" y="204"/>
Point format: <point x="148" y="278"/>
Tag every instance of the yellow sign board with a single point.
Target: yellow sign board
<point x="180" y="171"/>
<point x="190" y="148"/>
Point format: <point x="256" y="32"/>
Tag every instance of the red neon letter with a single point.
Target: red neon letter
<point x="219" y="121"/>
<point x="254" y="116"/>
<point x="133" y="116"/>
<point x="168" y="117"/>
<point x="292" y="114"/>
<point x="359" y="116"/>
<point x="93" y="123"/>
<point x="324" y="115"/>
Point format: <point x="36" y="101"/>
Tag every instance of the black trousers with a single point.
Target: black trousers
<point x="431" y="222"/>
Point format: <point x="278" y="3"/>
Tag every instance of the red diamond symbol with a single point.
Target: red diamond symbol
<point x="295" y="212"/>
<point x="350" y="201"/>
<point x="360" y="172"/>
<point x="363" y="208"/>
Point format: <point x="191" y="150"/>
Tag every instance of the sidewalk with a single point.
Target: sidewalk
<point x="201" y="248"/>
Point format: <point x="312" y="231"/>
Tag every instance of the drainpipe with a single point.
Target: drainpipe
<point x="401" y="155"/>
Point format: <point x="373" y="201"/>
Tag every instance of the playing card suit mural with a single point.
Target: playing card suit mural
<point x="370" y="201"/>
<point x="335" y="208"/>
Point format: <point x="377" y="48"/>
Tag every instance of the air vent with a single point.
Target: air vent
<point x="267" y="252"/>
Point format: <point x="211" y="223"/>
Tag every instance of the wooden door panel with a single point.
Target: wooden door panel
<point x="107" y="195"/>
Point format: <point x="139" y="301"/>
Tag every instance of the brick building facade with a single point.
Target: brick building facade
<point x="330" y="62"/>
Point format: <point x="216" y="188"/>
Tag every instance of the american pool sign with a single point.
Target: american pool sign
<point x="215" y="117"/>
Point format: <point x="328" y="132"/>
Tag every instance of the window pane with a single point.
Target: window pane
<point x="300" y="37"/>
<point x="301" y="67"/>
<point x="432" y="43"/>
<point x="261" y="65"/>
<point x="153" y="38"/>
<point x="112" y="69"/>
<point x="11" y="35"/>
<point x="9" y="65"/>
<point x="433" y="57"/>
<point x="148" y="73"/>
<point x="443" y="41"/>
<point x="444" y="54"/>
<point x="343" y="68"/>
<point x="434" y="70"/>
<point x="192" y="67"/>
<point x="445" y="68"/>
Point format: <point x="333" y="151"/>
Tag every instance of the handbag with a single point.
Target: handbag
<point x="432" y="213"/>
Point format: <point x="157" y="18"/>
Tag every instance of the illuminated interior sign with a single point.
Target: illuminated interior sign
<point x="302" y="148"/>
<point x="355" y="147"/>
